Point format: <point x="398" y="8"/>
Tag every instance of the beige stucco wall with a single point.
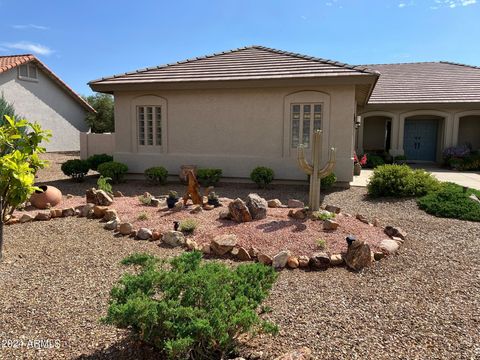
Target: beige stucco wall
<point x="91" y="144"/>
<point x="233" y="129"/>
<point x="45" y="102"/>
<point x="374" y="133"/>
<point x="469" y="131"/>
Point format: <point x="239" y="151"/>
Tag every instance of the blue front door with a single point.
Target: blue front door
<point x="420" y="140"/>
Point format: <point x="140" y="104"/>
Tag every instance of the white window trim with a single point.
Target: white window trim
<point x="28" y="78"/>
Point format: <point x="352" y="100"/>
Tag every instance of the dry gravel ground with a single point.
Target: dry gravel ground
<point x="422" y="304"/>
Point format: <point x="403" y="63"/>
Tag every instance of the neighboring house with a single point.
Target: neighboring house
<point x="253" y="106"/>
<point x="39" y="95"/>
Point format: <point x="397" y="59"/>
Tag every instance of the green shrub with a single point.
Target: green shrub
<point x="374" y="160"/>
<point x="323" y="215"/>
<point x="209" y="177"/>
<point x="103" y="184"/>
<point x="157" y="175"/>
<point x="191" y="309"/>
<point x="262" y="176"/>
<point x="188" y="226"/>
<point x="451" y="201"/>
<point x="96" y="160"/>
<point x="76" y="169"/>
<point x="400" y="181"/>
<point x="328" y="181"/>
<point x="114" y="170"/>
<point x="322" y="244"/>
<point x="145" y="199"/>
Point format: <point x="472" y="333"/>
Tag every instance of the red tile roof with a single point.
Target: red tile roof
<point x="12" y="61"/>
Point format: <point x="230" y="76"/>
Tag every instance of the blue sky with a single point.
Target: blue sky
<point x="84" y="40"/>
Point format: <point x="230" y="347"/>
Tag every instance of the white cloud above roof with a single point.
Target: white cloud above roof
<point x="37" y="49"/>
<point x="29" y="26"/>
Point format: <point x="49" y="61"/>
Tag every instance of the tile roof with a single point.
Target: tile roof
<point x="11" y="61"/>
<point x="248" y="63"/>
<point x="426" y="82"/>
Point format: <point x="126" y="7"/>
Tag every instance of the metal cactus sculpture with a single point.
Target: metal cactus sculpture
<point x="316" y="173"/>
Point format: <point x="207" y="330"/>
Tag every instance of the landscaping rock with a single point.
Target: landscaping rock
<point x="300" y="214"/>
<point x="117" y="193"/>
<point x="69" y="196"/>
<point x="110" y="214"/>
<point x="395" y="231"/>
<point x="389" y="246"/>
<point x="222" y="244"/>
<point x="358" y="255"/>
<point x="125" y="228"/>
<point x="156" y="235"/>
<point x="68" y="212"/>
<point x="13" y="220"/>
<point x="279" y="261"/>
<point x="264" y="259"/>
<point x="178" y="206"/>
<point x="378" y="255"/>
<point x="87" y="210"/>
<point x="234" y="252"/>
<point x="376" y="222"/>
<point x="43" y="216"/>
<point x="274" y="203"/>
<point x="303" y="261"/>
<point x="155" y="202"/>
<point x="330" y="225"/>
<point x="243" y="254"/>
<point x="253" y="252"/>
<point x="292" y="262"/>
<point x="99" y="211"/>
<point x="144" y="233"/>
<point x="333" y="209"/>
<point x="208" y="207"/>
<point x="362" y="218"/>
<point x="292" y="203"/>
<point x="54" y="213"/>
<point x="111" y="225"/>
<point x="224" y="214"/>
<point x="336" y="260"/>
<point x="173" y="238"/>
<point x="196" y="209"/>
<point x="103" y="199"/>
<point x="91" y="196"/>
<point x="206" y="249"/>
<point x="26" y="218"/>
<point x="257" y="206"/>
<point x="239" y="211"/>
<point x="191" y="244"/>
<point x="397" y="239"/>
<point x="319" y="261"/>
<point x="303" y="353"/>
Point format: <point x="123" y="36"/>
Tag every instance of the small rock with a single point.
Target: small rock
<point x="239" y="211"/>
<point x="196" y="209"/>
<point x="125" y="228"/>
<point x="292" y="203"/>
<point x="234" y="251"/>
<point x="303" y="261"/>
<point x="99" y="211"/>
<point x="378" y="255"/>
<point x="43" y="216"/>
<point x="133" y="234"/>
<point x="208" y="207"/>
<point x="156" y="235"/>
<point x="110" y="214"/>
<point x="279" y="261"/>
<point x="330" y="225"/>
<point x="91" y="196"/>
<point x="274" y="203"/>
<point x="389" y="246"/>
<point x="178" y="206"/>
<point x="224" y="214"/>
<point x="173" y="238"/>
<point x="117" y="193"/>
<point x="319" y="261"/>
<point x="300" y="214"/>
<point x="257" y="206"/>
<point x="13" y="220"/>
<point x="55" y="213"/>
<point x="26" y="218"/>
<point x="358" y="255"/>
<point x="68" y="212"/>
<point x="336" y="259"/>
<point x="362" y="218"/>
<point x="155" y="202"/>
<point x="253" y="252"/>
<point x="292" y="262"/>
<point x="397" y="239"/>
<point x="395" y="231"/>
<point x="191" y="244"/>
<point x="87" y="210"/>
<point x="111" y="225"/>
<point x="144" y="233"/>
<point x="222" y="244"/>
<point x="243" y="254"/>
<point x="376" y="222"/>
<point x="303" y="353"/>
<point x="333" y="209"/>
<point x="103" y="199"/>
<point x="206" y="249"/>
<point x="264" y="259"/>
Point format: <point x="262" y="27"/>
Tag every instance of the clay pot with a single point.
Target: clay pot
<point x="50" y="197"/>
<point x="357" y="169"/>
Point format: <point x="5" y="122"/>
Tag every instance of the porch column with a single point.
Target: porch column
<point x="360" y="136"/>
<point x="448" y="131"/>
<point x="456" y="125"/>
<point x="394" y="136"/>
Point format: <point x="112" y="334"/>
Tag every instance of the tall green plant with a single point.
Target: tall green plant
<point x="20" y="144"/>
<point x="5" y="109"/>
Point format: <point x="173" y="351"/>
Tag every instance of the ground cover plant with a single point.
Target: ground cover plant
<point x="190" y="309"/>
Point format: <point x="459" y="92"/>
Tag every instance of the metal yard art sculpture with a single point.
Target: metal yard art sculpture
<point x="316" y="173"/>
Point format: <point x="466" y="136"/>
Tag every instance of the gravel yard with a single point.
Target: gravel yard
<point x="422" y="304"/>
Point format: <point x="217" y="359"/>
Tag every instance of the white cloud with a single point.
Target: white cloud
<point x="38" y="49"/>
<point x="452" y="4"/>
<point x="401" y="5"/>
<point x="29" y="26"/>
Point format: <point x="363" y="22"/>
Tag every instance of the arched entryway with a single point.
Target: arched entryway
<point x="377" y="133"/>
<point x="422" y="137"/>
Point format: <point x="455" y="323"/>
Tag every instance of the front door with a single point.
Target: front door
<point x="420" y="140"/>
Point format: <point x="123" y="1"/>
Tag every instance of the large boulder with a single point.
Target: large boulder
<point x="358" y="255"/>
<point x="319" y="261"/>
<point x="274" y="203"/>
<point x="91" y="196"/>
<point x="223" y="244"/>
<point x="144" y="233"/>
<point x="239" y="211"/>
<point x="279" y="261"/>
<point x="264" y="259"/>
<point x="257" y="206"/>
<point x="293" y="203"/>
<point x="173" y="238"/>
<point x="103" y="199"/>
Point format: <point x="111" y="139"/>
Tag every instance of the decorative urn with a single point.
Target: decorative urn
<point x="49" y="197"/>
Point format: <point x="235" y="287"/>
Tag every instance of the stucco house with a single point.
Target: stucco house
<point x="252" y="106"/>
<point x="39" y="95"/>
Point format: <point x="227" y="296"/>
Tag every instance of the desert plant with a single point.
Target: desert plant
<point x="322" y="244"/>
<point x="209" y="177"/>
<point x="96" y="160"/>
<point x="157" y="175"/>
<point x="212" y="199"/>
<point x="328" y="181"/>
<point x="145" y="199"/>
<point x="190" y="309"/>
<point x="114" y="170"/>
<point x="188" y="226"/>
<point x="262" y="176"/>
<point x="76" y="169"/>
<point x="400" y="181"/>
<point x="451" y="201"/>
<point x="323" y="215"/>
<point x="142" y="216"/>
<point x="173" y="194"/>
<point x="103" y="184"/>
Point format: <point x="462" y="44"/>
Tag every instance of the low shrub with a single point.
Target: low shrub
<point x="328" y="181"/>
<point x="145" y="199"/>
<point x="103" y="184"/>
<point x="262" y="176"/>
<point x="400" y="181"/>
<point x="114" y="170"/>
<point x="190" y="309"/>
<point x="95" y="160"/>
<point x="374" y="160"/>
<point x="323" y="215"/>
<point x="451" y="201"/>
<point x="188" y="226"/>
<point x="157" y="175"/>
<point x="209" y="177"/>
<point x="76" y="169"/>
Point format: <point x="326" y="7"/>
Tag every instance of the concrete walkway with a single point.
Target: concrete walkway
<point x="470" y="179"/>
